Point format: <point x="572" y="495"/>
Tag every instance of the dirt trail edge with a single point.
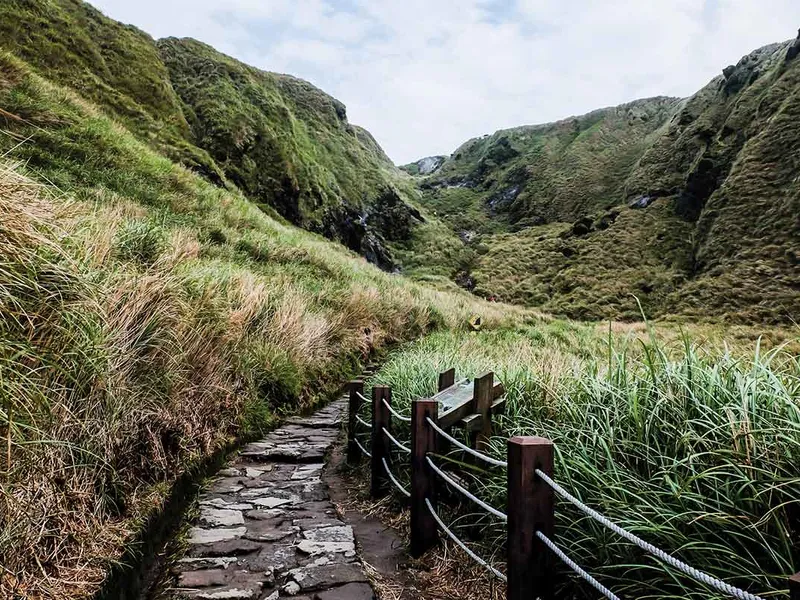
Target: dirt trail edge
<point x="267" y="528"/>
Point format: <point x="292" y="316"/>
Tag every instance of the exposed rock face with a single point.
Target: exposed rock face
<point x="425" y="166"/>
<point x="794" y="49"/>
<point x="430" y="164"/>
<point x="391" y="216"/>
<point x="641" y="202"/>
<point x="502" y="199"/>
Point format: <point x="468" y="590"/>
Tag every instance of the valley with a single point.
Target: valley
<point x="194" y="250"/>
<point x="664" y="206"/>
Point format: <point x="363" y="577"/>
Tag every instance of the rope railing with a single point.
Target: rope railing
<point x="464" y="447"/>
<point x="530" y="566"/>
<point x="575" y="567"/>
<point x="364" y="450"/>
<point x="396" y="414"/>
<point x="394" y="480"/>
<point x="718" y="584"/>
<point x="462" y="545"/>
<point x="399" y="445"/>
<point x="465" y="492"/>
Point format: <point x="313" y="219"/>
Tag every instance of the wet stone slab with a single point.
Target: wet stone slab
<point x="267" y="529"/>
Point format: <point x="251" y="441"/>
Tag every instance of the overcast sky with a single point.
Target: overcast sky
<point x="426" y="75"/>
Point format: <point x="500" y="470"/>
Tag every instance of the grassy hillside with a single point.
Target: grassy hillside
<point x="728" y="162"/>
<point x="545" y="173"/>
<point x="284" y="143"/>
<point x="688" y="206"/>
<point x="149" y="317"/>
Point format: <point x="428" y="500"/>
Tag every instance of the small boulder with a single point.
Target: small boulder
<point x="582" y="227"/>
<point x="641" y="202"/>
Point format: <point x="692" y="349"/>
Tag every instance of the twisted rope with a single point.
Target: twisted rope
<point x="464" y="447"/>
<point x="718" y="584"/>
<point x="574" y="566"/>
<point x="396" y="483"/>
<point x="364" y="450"/>
<point x="363" y="422"/>
<point x="465" y="492"/>
<point x="396" y="414"/>
<point x="463" y="546"/>
<point x="395" y="442"/>
<point x="363" y="397"/>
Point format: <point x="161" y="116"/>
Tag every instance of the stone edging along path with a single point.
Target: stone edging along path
<point x="267" y="528"/>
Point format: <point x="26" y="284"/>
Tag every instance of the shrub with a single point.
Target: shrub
<point x="140" y="241"/>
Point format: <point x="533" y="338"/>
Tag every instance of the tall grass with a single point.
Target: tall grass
<point x="132" y="343"/>
<point x="692" y="447"/>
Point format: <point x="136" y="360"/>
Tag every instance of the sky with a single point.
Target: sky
<point x="424" y="76"/>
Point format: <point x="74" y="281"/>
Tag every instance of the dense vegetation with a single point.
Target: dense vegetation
<point x="683" y="441"/>
<point x="149" y="318"/>
<point x="689" y="206"/>
<point x="157" y="302"/>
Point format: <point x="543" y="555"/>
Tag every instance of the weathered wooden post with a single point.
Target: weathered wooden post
<point x="794" y="587"/>
<point x="483" y="398"/>
<point x="531" y="508"/>
<point x="424" y="530"/>
<point x="381" y="418"/>
<point x="446" y="379"/>
<point x="355" y="403"/>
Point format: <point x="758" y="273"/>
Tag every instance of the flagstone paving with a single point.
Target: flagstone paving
<point x="267" y="529"/>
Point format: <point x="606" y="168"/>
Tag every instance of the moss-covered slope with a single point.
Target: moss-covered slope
<point x="287" y="144"/>
<point x="685" y="206"/>
<point x="284" y="143"/>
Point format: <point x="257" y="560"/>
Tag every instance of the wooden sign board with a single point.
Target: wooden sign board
<point x="455" y="402"/>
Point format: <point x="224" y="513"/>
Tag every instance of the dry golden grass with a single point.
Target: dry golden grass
<point x="129" y="349"/>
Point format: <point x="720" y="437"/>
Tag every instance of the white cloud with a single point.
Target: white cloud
<point x="425" y="75"/>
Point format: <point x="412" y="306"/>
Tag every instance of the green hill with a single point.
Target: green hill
<point x="158" y="301"/>
<point x="687" y="206"/>
<point x="284" y="143"/>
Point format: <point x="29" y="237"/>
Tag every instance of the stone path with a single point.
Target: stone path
<point x="267" y="528"/>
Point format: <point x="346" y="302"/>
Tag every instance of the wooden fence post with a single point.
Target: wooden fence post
<point x="424" y="529"/>
<point x="483" y="398"/>
<point x="381" y="418"/>
<point x="355" y="403"/>
<point x="531" y="508"/>
<point x="446" y="379"/>
<point x="794" y="587"/>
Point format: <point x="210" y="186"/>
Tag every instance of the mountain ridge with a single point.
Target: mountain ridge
<point x="628" y="208"/>
<point x="653" y="206"/>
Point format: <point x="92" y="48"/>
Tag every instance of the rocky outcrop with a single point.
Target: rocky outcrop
<point x="424" y="166"/>
<point x="794" y="49"/>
